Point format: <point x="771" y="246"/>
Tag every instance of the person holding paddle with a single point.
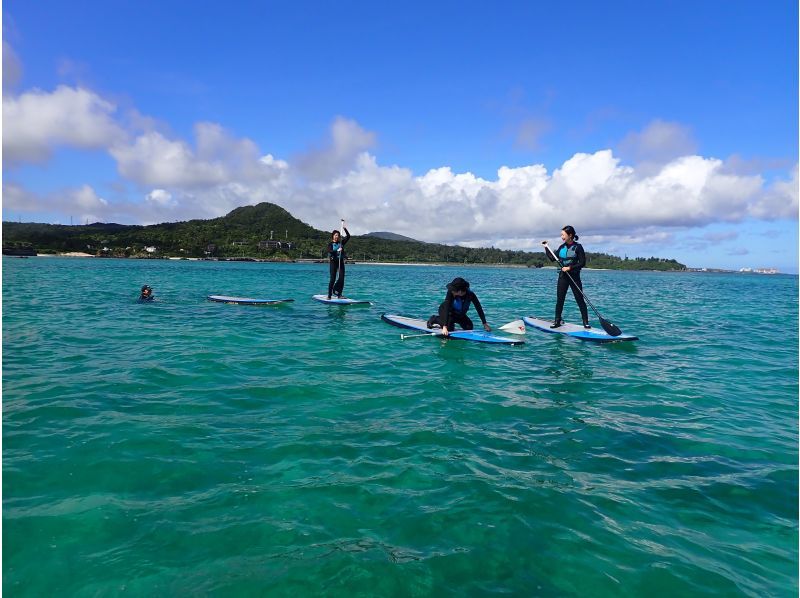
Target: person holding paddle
<point x="571" y="258"/>
<point x="336" y="257"/>
<point x="453" y="309"/>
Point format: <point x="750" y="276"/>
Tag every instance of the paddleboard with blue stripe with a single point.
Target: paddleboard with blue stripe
<point x="480" y="336"/>
<point x="246" y="300"/>
<point x="595" y="334"/>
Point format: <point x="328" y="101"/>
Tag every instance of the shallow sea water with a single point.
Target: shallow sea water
<point x="187" y="447"/>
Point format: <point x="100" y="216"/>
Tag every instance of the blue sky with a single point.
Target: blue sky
<point x="655" y="128"/>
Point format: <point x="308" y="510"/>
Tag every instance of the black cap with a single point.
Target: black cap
<point x="458" y="284"/>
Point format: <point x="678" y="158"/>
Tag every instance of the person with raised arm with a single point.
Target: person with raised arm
<point x="337" y="257"/>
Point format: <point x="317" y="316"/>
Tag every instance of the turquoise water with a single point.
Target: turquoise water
<point x="192" y="448"/>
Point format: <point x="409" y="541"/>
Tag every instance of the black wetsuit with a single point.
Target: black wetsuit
<point x="574" y="257"/>
<point x="453" y="310"/>
<point x="337" y="260"/>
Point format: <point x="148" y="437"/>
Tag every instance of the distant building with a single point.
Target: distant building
<point x="270" y="244"/>
<point x="151" y="249"/>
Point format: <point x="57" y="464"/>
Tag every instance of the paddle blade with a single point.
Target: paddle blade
<point x="609" y="327"/>
<point x="515" y="327"/>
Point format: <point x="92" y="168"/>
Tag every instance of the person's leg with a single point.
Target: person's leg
<point x="339" y="286"/>
<point x="440" y="318"/>
<point x="464" y="322"/>
<point x="561" y="295"/>
<point x="332" y="280"/>
<point x="579" y="297"/>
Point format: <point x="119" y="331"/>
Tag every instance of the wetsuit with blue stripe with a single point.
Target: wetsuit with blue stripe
<point x="571" y="255"/>
<point x="453" y="310"/>
<point x="337" y="259"/>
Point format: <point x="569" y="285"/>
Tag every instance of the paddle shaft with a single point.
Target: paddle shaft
<point x="341" y="237"/>
<point x="405" y="336"/>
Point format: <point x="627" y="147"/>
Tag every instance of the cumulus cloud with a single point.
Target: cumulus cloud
<point x="216" y="172"/>
<point x="217" y="159"/>
<point x="593" y="192"/>
<point x="780" y="200"/>
<point x="82" y="203"/>
<point x="160" y="197"/>
<point x="347" y="141"/>
<point x="36" y="122"/>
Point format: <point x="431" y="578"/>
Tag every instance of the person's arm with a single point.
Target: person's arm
<point x="479" y="309"/>
<point x="346" y="236"/>
<point x="448" y="300"/>
<point x="581" y="255"/>
<point x="551" y="255"/>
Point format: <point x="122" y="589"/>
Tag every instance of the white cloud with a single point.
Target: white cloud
<point x="779" y="201"/>
<point x="594" y="192"/>
<point x="81" y="203"/>
<point x="154" y="160"/>
<point x="217" y="160"/>
<point x="160" y="197"/>
<point x="85" y="198"/>
<point x="36" y="122"/>
<point x="347" y="141"/>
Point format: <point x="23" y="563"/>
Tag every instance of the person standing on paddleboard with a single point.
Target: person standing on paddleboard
<point x="336" y="256"/>
<point x="453" y="309"/>
<point x="571" y="258"/>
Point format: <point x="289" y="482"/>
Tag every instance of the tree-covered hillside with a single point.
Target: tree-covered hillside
<point x="267" y="231"/>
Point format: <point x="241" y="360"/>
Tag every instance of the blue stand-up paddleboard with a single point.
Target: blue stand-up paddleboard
<point x="480" y="336"/>
<point x="246" y="300"/>
<point x="339" y="301"/>
<point x="597" y="335"/>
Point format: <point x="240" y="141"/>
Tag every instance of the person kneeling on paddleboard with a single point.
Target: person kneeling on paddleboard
<point x="337" y="257"/>
<point x="453" y="309"/>
<point x="571" y="257"/>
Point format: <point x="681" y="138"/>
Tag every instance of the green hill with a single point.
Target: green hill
<point x="267" y="231"/>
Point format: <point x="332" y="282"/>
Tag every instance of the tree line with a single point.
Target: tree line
<point x="245" y="232"/>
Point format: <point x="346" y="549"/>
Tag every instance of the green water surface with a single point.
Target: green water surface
<point x="193" y="448"/>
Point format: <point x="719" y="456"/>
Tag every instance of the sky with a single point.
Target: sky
<point x="660" y="128"/>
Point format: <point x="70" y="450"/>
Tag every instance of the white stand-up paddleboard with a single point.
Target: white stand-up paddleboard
<point x="595" y="334"/>
<point x="339" y="301"/>
<point x="246" y="300"/>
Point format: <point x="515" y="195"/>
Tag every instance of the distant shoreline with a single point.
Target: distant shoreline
<point x="80" y="254"/>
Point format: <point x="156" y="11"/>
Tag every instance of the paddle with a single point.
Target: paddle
<point x="609" y="327"/>
<point x="405" y="336"/>
<point x="515" y="327"/>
